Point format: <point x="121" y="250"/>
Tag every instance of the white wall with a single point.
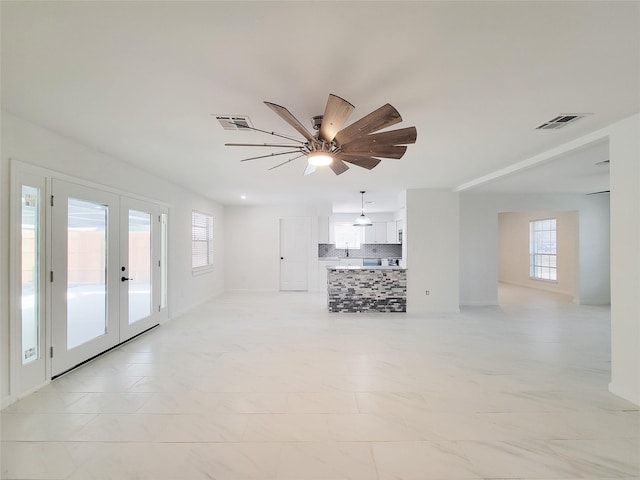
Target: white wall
<point x="432" y="233"/>
<point x="479" y="239"/>
<point x="513" y="250"/>
<point x="624" y="149"/>
<point x="29" y="143"/>
<point x="350" y="217"/>
<point x="253" y="246"/>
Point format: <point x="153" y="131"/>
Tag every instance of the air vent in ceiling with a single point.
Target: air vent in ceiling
<point x="234" y="122"/>
<point x="561" y="120"/>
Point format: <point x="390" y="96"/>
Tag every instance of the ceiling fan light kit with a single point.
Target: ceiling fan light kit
<point x="332" y="145"/>
<point x="319" y="159"/>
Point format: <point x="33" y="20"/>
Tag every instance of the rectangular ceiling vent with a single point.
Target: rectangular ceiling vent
<point x="561" y="121"/>
<point x="234" y="122"/>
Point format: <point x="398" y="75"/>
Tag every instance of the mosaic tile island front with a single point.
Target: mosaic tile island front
<point x="366" y="289"/>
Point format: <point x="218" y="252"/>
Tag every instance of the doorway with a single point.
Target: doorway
<point x="105" y="271"/>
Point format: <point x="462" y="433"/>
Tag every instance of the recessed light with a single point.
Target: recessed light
<point x="243" y="197"/>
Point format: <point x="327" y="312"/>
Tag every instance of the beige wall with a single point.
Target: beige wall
<point x="513" y="250"/>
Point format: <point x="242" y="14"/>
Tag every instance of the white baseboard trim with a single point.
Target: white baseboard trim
<point x="626" y="393"/>
<point x="6" y="401"/>
<point x="593" y="301"/>
<point x="479" y="303"/>
<point x="183" y="311"/>
<point x="240" y="290"/>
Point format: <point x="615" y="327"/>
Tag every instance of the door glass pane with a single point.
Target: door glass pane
<point x="139" y="265"/>
<point x="30" y="273"/>
<point x="86" y="271"/>
<point x="163" y="261"/>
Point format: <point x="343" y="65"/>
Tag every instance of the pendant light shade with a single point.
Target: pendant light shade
<point x="362" y="220"/>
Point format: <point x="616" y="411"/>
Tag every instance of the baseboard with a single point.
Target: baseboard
<point x="183" y="311"/>
<point x="593" y="301"/>
<point x="627" y="394"/>
<point x="479" y="303"/>
<point x="6" y="401"/>
<point x="249" y="290"/>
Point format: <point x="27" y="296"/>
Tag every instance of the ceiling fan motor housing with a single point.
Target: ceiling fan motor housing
<point x="317" y="121"/>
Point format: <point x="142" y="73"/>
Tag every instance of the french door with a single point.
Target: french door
<point x="105" y="271"/>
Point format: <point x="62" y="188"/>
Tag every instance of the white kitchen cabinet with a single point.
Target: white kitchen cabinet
<point x="323" y="229"/>
<point x="369" y="234"/>
<point x="392" y="232"/>
<point x="381" y="232"/>
<point x="376" y="233"/>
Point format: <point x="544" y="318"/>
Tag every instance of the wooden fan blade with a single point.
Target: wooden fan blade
<point x="402" y="136"/>
<point x="335" y="114"/>
<point x="271" y="155"/>
<point x="361" y="161"/>
<point x="278" y="145"/>
<point x="383" y="117"/>
<point x="338" y="166"/>
<point x="288" y="117"/>
<point x="309" y="170"/>
<point x="375" y="150"/>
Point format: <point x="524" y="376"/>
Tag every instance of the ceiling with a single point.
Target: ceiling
<point x="142" y="81"/>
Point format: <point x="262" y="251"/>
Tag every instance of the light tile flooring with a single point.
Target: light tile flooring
<point x="270" y="386"/>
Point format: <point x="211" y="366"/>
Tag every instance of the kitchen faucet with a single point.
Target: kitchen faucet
<point x="346" y="249"/>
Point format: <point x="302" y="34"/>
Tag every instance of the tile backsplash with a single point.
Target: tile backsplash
<point x="366" y="250"/>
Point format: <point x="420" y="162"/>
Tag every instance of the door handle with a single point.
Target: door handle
<point x="124" y="279"/>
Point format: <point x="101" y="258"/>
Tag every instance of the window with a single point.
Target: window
<point x="542" y="249"/>
<point x="201" y="241"/>
<point x="347" y="236"/>
<point x="30" y="273"/>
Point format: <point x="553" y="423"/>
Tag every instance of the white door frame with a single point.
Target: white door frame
<point x="21" y="381"/>
<point x="305" y="224"/>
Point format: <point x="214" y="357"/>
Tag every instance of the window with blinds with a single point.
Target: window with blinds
<point x="542" y="250"/>
<point x="201" y="241"/>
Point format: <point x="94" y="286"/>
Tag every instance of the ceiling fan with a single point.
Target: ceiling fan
<point x="333" y="145"/>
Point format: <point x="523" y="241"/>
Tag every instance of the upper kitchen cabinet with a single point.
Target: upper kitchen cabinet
<point x="323" y="229"/>
<point x="376" y="233"/>
<point x="392" y="232"/>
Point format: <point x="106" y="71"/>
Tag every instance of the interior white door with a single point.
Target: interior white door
<point x="85" y="286"/>
<point x="294" y="253"/>
<point x="139" y="269"/>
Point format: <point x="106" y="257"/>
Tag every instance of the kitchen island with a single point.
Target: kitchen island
<point x="367" y="289"/>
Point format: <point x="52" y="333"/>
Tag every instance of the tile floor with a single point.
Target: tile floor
<point x="270" y="386"/>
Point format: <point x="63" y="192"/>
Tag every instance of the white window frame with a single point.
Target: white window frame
<point x="543" y="256"/>
<point x="201" y="261"/>
<point x="355" y="237"/>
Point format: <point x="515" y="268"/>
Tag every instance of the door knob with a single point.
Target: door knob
<point x="281" y="258"/>
<point x="124" y="279"/>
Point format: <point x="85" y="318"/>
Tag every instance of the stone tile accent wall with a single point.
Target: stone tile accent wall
<point x="366" y="250"/>
<point x="367" y="290"/>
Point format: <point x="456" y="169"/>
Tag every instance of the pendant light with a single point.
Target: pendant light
<point x="362" y="220"/>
